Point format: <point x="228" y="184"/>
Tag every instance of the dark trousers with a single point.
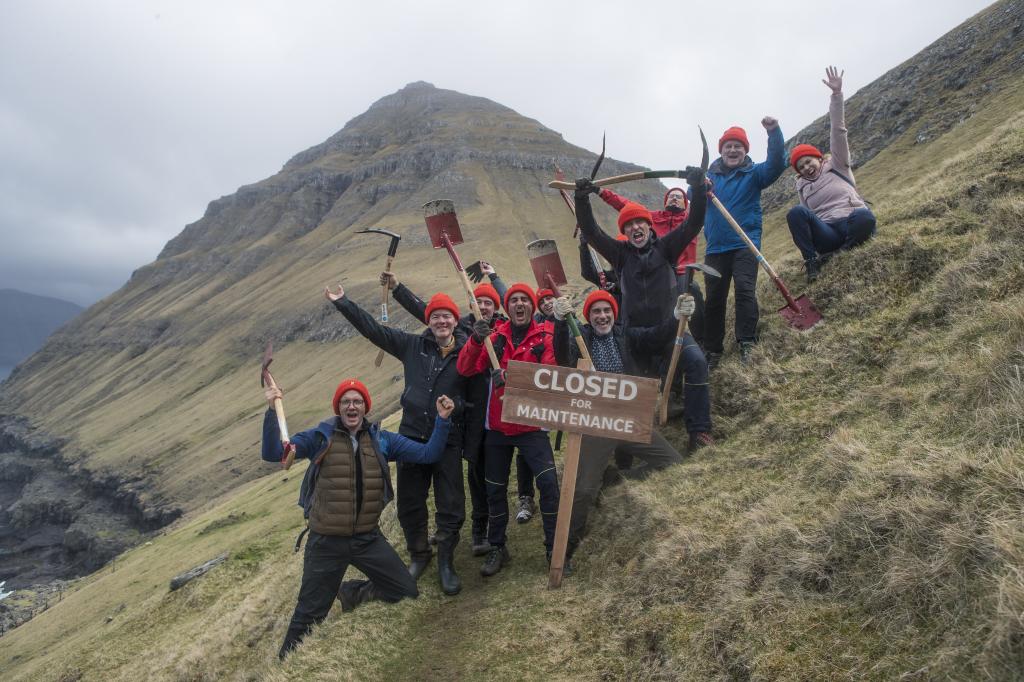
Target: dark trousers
<point x="414" y="482"/>
<point x="594" y="455"/>
<point x="477" y="495"/>
<point x="693" y="369"/>
<point x="535" y="448"/>
<point x="696" y="323"/>
<point x="326" y="559"/>
<point x="739" y="267"/>
<point x="814" y="236"/>
<point x="524" y="479"/>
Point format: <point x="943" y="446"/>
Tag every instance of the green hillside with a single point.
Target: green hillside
<point x="861" y="517"/>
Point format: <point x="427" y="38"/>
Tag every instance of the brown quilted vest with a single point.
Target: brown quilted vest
<point x="334" y="509"/>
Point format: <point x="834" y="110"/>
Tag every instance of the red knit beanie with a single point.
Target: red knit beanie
<point x="686" y="202"/>
<point x="350" y="385"/>
<point x="599" y="295"/>
<point x="441" y="301"/>
<point x="487" y="291"/>
<point x="802" y="150"/>
<point x="522" y="288"/>
<point x="544" y="293"/>
<point x="632" y="210"/>
<point x="735" y="133"/>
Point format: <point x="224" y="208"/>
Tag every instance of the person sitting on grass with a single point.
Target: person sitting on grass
<point x="345" y="489"/>
<point x="831" y="216"/>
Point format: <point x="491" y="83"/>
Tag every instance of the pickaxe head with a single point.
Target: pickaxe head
<point x="705" y="157"/>
<point x="395" y="238"/>
<point x="692" y="267"/>
<point x="268" y="357"/>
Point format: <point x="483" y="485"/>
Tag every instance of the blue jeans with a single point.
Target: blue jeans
<point x="814" y="236"/>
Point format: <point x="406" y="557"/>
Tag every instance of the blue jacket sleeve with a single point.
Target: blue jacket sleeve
<point x="307" y="443"/>
<point x="773" y="167"/>
<point x="398" y="448"/>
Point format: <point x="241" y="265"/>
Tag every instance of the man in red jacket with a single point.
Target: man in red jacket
<point x="677" y="208"/>
<point x="524" y="339"/>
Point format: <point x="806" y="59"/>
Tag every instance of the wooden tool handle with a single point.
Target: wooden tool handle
<point x="666" y="389"/>
<point x="743" y="235"/>
<point x="476" y="311"/>
<point x="613" y="180"/>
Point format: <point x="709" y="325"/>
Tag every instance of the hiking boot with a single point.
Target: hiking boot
<point x="525" y="510"/>
<point x="700" y="439"/>
<point x="746" y="348"/>
<point x="480" y="545"/>
<point x="496" y="558"/>
<point x="713" y="360"/>
<point x="417" y="567"/>
<point x="813" y="268"/>
<point x="450" y="583"/>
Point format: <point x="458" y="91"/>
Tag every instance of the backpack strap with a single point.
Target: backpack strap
<point x="849" y="182"/>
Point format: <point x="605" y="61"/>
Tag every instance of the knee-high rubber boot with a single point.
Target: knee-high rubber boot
<point x="450" y="582"/>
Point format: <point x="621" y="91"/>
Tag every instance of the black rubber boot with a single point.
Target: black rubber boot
<point x="417" y="567"/>
<point x="450" y="583"/>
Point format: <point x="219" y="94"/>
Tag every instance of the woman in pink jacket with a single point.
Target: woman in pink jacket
<point x="831" y="216"/>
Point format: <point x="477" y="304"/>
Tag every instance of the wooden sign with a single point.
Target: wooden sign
<point x="578" y="400"/>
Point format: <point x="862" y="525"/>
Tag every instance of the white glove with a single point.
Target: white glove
<point x="685" y="307"/>
<point x="563" y="307"/>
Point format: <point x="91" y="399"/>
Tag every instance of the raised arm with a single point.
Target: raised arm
<point x="390" y="340"/>
<point x="398" y="448"/>
<point x="566" y="352"/>
<point x="596" y="237"/>
<point x="771" y="168"/>
<point x="839" y="146"/>
<point x="612" y="199"/>
<point x="306" y="443"/>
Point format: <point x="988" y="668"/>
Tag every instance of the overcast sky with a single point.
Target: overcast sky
<point x="120" y="121"/>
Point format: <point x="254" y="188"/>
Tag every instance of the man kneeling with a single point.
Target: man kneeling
<point x="346" y="487"/>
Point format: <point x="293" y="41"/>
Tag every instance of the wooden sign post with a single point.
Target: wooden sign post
<point x="578" y="401"/>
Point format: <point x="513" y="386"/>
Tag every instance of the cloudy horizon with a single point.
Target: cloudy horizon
<point x="120" y="122"/>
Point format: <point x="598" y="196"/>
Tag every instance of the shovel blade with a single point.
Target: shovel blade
<point x="804" y="317"/>
<point x="440" y="217"/>
<point x="546" y="263"/>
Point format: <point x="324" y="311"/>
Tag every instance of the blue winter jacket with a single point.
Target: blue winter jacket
<point x="391" y="447"/>
<point x="739" y="190"/>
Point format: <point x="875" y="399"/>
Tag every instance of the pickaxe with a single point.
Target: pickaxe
<point x="282" y="424"/>
<point x="680" y="333"/>
<point x="392" y="250"/>
<point x="559" y="175"/>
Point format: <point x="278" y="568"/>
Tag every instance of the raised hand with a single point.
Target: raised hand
<point x="332" y="295"/>
<point x="388" y="279"/>
<point x="445" y="405"/>
<point x="272" y="393"/>
<point x="486" y="268"/>
<point x="770" y="123"/>
<point x="563" y="308"/>
<point x="481" y="330"/>
<point x="585" y="186"/>
<point x="833" y="79"/>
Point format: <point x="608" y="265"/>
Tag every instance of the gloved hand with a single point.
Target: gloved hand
<point x="497" y="378"/>
<point x="481" y="330"/>
<point x="685" y="307"/>
<point x="563" y="308"/>
<point x="585" y="186"/>
<point x="694" y="176"/>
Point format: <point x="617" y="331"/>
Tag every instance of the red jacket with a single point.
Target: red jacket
<point x="538" y="346"/>
<point x="664" y="222"/>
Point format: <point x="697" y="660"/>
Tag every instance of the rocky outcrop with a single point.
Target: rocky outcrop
<point x="58" y="521"/>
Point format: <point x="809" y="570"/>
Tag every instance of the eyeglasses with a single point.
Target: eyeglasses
<point x="355" y="402"/>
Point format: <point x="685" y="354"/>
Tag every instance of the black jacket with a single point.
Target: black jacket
<point x="637" y="345"/>
<point x="646" y="276"/>
<point x="427" y="374"/>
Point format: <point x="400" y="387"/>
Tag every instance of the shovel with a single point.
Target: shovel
<point x="282" y="424"/>
<point x="549" y="273"/>
<point x="445" y="233"/>
<point x="800" y="313"/>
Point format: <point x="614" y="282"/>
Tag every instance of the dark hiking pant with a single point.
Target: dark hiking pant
<point x="477" y="495"/>
<point x="524" y="479"/>
<point x="414" y="482"/>
<point x="693" y="370"/>
<point x="814" y="236"/>
<point x="737" y="267"/>
<point x="696" y="323"/>
<point x="594" y="455"/>
<point x="535" y="448"/>
<point x="326" y="559"/>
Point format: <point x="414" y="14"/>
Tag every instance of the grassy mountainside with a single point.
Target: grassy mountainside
<point x="860" y="519"/>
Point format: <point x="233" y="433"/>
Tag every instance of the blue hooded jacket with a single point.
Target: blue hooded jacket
<point x="739" y="190"/>
<point x="391" y="447"/>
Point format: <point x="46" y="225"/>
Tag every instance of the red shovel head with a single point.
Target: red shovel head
<point x="546" y="264"/>
<point x="440" y="217"/>
<point x="804" y="317"/>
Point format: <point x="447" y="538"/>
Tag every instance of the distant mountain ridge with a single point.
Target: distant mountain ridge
<point x="26" y="320"/>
